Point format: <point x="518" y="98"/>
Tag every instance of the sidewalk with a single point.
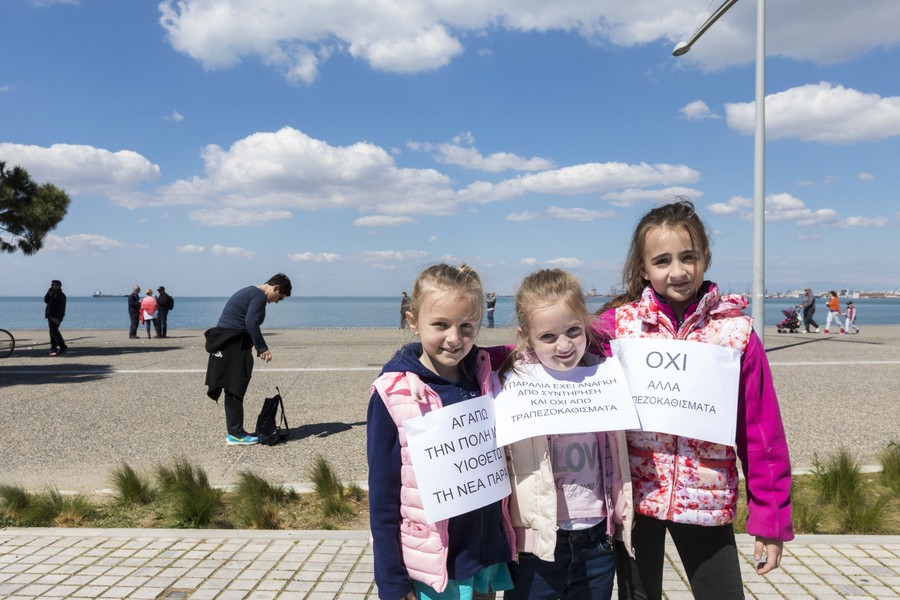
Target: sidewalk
<point x="318" y="565"/>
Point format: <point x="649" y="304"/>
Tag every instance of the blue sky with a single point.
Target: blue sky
<point x="207" y="144"/>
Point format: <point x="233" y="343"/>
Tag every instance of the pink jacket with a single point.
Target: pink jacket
<point x="424" y="545"/>
<point x="691" y="481"/>
<point x="149" y="306"/>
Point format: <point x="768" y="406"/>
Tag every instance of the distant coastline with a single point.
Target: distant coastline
<point x="99" y="294"/>
<point x="334" y="312"/>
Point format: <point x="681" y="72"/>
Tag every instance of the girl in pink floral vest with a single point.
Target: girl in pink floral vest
<point x="683" y="485"/>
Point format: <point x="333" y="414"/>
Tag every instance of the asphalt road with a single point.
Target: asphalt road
<point x="70" y="420"/>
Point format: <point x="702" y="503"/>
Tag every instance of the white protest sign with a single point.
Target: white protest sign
<point x="456" y="460"/>
<point x="681" y="387"/>
<point x="535" y="401"/>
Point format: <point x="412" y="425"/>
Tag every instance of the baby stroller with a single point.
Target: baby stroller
<point x="791" y="322"/>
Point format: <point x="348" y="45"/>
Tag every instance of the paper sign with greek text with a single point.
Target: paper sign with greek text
<point x="455" y="457"/>
<point x="535" y="401"/>
<point x="681" y="387"/>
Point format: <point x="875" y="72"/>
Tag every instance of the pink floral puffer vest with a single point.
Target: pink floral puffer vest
<point x="424" y="545"/>
<point x="676" y="478"/>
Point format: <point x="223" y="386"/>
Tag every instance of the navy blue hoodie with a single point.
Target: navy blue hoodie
<point x="476" y="539"/>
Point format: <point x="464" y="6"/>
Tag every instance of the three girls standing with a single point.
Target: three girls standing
<point x="561" y="549"/>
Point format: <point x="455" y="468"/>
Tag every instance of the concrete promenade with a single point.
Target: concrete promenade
<point x="111" y="399"/>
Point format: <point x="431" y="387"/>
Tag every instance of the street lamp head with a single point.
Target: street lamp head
<point x="681" y="48"/>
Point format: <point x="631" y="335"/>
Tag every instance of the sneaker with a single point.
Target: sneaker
<point x="825" y="331"/>
<point x="241" y="440"/>
<point x="817" y="330"/>
<point x="842" y="331"/>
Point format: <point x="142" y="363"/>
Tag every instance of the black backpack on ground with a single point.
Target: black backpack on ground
<point x="267" y="423"/>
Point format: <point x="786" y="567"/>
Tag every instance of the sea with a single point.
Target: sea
<point x="340" y="312"/>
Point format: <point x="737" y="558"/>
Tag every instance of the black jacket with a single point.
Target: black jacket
<point x="164" y="300"/>
<point x="134" y="303"/>
<point x="230" y="364"/>
<point x="56" y="305"/>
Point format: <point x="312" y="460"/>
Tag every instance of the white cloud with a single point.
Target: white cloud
<point x="382" y="221"/>
<point x="231" y="217"/>
<point x="554" y="263"/>
<point x="233" y="252"/>
<point x="78" y="168"/>
<point x="461" y="151"/>
<point x="175" y="116"/>
<point x="190" y="249"/>
<point x="631" y="196"/>
<point x="779" y="207"/>
<point x="320" y="257"/>
<point x="863" y="176"/>
<point x="578" y="214"/>
<point x="82" y="243"/>
<point x="585" y="178"/>
<point x="288" y="170"/>
<point x="391" y="256"/>
<point x="736" y="206"/>
<point x="296" y="37"/>
<point x="822" y="113"/>
<point x="4" y="88"/>
<point x="852" y="222"/>
<point x="697" y="111"/>
<point x="564" y="263"/>
<point x="522" y="216"/>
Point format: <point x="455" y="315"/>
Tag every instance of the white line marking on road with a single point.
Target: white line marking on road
<point x="834" y="363"/>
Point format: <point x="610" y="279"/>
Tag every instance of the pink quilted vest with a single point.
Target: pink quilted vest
<point x="424" y="545"/>
<point x="676" y="478"/>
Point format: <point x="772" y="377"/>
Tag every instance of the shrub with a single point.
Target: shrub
<point x="839" y="479"/>
<point x="131" y="488"/>
<point x="325" y="480"/>
<point x="859" y="517"/>
<point x="807" y="518"/>
<point x="192" y="501"/>
<point x="890" y="467"/>
<point x="15" y="501"/>
<point x="258" y="502"/>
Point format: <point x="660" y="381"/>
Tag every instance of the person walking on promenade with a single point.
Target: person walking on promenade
<point x="491" y="304"/>
<point x="809" y="309"/>
<point x="684" y="485"/>
<point x="166" y="303"/>
<point x="149" y="306"/>
<point x="229" y="345"/>
<point x="834" y="312"/>
<point x="404" y="309"/>
<point x="55" y="312"/>
<point x="451" y="558"/>
<point x="850" y="320"/>
<point x="134" y="311"/>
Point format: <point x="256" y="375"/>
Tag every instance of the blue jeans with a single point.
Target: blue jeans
<point x="584" y="568"/>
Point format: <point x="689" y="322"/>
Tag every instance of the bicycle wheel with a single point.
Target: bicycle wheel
<point x="7" y="343"/>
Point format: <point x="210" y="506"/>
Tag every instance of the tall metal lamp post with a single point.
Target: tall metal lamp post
<point x="758" y="292"/>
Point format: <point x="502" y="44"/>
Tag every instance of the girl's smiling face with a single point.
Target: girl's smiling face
<point x="672" y="266"/>
<point x="447" y="328"/>
<point x="557" y="336"/>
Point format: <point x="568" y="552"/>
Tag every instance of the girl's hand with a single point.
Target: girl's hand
<point x="767" y="554"/>
<point x="409" y="596"/>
